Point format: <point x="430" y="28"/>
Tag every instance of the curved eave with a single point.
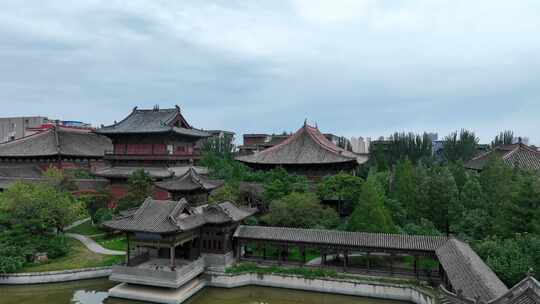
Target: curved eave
<point x="295" y="163"/>
<point x="112" y="132"/>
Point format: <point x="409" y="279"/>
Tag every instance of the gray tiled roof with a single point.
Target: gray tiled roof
<point x="189" y="181"/>
<point x="153" y="121"/>
<point x="467" y="272"/>
<point x="125" y="171"/>
<point x="518" y="155"/>
<point x="164" y="216"/>
<point x="57" y="141"/>
<point x="306" y="146"/>
<point x="341" y="238"/>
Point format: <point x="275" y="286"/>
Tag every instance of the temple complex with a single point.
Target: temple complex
<point x="307" y="152"/>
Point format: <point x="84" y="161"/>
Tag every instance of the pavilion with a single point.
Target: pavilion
<point x="190" y="185"/>
<point x="307" y="152"/>
<point x="171" y="242"/>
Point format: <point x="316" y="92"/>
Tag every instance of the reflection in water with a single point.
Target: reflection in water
<point x="89" y="297"/>
<point x="95" y="292"/>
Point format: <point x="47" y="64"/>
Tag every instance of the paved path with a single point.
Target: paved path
<point x="77" y="223"/>
<point x="93" y="246"/>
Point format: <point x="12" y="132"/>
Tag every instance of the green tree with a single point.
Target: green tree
<point x="443" y="196"/>
<point x="279" y="183"/>
<point x="370" y="214"/>
<point x="301" y="210"/>
<point x="229" y="192"/>
<point x="425" y="227"/>
<point x="404" y="186"/>
<point x="498" y="185"/>
<point x="343" y="187"/>
<point x="415" y="147"/>
<point x="460" y="173"/>
<point x="460" y="146"/>
<point x="140" y="185"/>
<point x="511" y="258"/>
<point x="37" y="208"/>
<point x="504" y="138"/>
<point x="523" y="212"/>
<point x="219" y="145"/>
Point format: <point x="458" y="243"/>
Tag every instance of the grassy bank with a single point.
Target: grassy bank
<point x="86" y="228"/>
<point x="78" y="257"/>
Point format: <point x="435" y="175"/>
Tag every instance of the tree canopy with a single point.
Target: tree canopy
<point x="300" y="210"/>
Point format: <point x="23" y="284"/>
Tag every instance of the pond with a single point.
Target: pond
<point x="95" y="292"/>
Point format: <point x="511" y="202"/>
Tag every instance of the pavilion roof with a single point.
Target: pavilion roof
<point x="517" y="155"/>
<point x="464" y="269"/>
<point x="165" y="216"/>
<point x="341" y="238"/>
<point x="467" y="272"/>
<point x="153" y="121"/>
<point x="57" y="141"/>
<point x="307" y="146"/>
<point x="189" y="181"/>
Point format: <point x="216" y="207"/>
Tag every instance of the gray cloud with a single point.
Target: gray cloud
<point x="361" y="67"/>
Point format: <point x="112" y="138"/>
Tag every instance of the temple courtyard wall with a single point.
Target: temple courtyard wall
<point x="389" y="291"/>
<point x="54" y="276"/>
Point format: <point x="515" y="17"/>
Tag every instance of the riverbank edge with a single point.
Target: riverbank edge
<point x="54" y="276"/>
<point x="372" y="289"/>
<point x="348" y="287"/>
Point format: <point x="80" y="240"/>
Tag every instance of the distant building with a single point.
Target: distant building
<point x="253" y="143"/>
<point x="12" y="128"/>
<point x="307" y="152"/>
<point x="360" y="145"/>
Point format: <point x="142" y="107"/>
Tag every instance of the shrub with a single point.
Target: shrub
<point x="103" y="215"/>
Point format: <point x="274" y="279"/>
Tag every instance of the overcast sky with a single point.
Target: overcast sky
<point x="362" y="68"/>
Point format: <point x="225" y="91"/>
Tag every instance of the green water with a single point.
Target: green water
<point x="95" y="292"/>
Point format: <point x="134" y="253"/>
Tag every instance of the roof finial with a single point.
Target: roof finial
<point x="134" y="108"/>
<point x="305" y="122"/>
<point x="177" y="107"/>
<point x="156" y="107"/>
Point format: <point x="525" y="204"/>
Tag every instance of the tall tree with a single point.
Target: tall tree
<point x="370" y="214"/>
<point x="504" y="138"/>
<point x="523" y="214"/>
<point x="415" y="147"/>
<point x="443" y="195"/>
<point x="343" y="187"/>
<point x="497" y="180"/>
<point x="404" y="186"/>
<point x="460" y="146"/>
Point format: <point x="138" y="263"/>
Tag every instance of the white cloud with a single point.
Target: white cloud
<point x="370" y="65"/>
